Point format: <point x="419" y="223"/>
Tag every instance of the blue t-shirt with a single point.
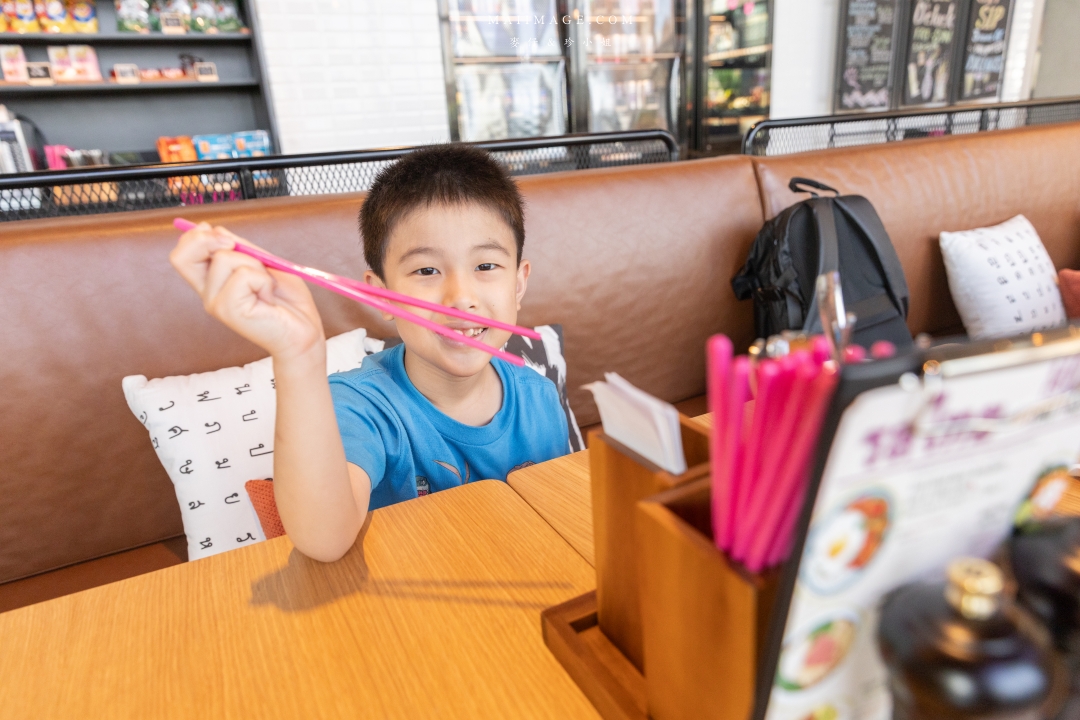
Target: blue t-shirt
<point x="408" y="447"/>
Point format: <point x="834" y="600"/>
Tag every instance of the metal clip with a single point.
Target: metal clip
<point x="836" y="324"/>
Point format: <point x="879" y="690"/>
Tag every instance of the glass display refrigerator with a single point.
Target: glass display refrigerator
<point x="527" y="68"/>
<point x="505" y="71"/>
<point x="735" y="46"/>
<point x="628" y="63"/>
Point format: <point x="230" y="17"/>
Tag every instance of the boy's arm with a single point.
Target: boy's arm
<point x="321" y="499"/>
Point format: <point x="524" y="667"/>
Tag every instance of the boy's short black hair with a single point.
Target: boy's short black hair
<point x="450" y="174"/>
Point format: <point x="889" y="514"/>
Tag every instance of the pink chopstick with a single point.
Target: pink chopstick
<point x="363" y="293"/>
<point x="774" y="535"/>
<point x="733" y="449"/>
<point x="783" y="432"/>
<point x="718" y="358"/>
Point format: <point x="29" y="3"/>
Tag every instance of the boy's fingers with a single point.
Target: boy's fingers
<point x="192" y="254"/>
<point x="239" y="293"/>
<point x="224" y="264"/>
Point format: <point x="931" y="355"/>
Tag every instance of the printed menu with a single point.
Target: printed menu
<point x="916" y="476"/>
<point x="984" y="57"/>
<point x="931" y="47"/>
<point x="866" y="52"/>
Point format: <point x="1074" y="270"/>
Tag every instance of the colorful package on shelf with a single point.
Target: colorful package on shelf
<point x="213" y="147"/>
<point x="54" y="156"/>
<point x="13" y="64"/>
<point x="84" y="16"/>
<point x="251" y="143"/>
<point x="154" y="11"/>
<point x="203" y="17"/>
<point x="53" y="17"/>
<point x="228" y="17"/>
<point x="3" y="22"/>
<point x="176" y="149"/>
<point x="60" y="64"/>
<point x="84" y="62"/>
<point x="181" y="8"/>
<point x="132" y="16"/>
<point x="24" y="19"/>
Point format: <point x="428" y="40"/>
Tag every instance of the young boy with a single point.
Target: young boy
<point x="445" y="224"/>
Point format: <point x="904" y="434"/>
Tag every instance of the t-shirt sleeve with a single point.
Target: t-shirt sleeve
<point x="362" y="428"/>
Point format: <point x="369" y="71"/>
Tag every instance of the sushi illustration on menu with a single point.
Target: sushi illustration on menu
<point x="812" y="654"/>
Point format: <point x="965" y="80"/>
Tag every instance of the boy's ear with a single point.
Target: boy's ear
<point x="372" y="279"/>
<point x="524" y="268"/>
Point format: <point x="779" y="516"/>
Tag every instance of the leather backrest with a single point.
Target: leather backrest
<point x="922" y="187"/>
<point x="633" y="262"/>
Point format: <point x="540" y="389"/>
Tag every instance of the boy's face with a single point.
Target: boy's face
<point x="462" y="256"/>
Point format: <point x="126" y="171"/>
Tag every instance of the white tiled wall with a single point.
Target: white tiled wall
<point x="354" y="74"/>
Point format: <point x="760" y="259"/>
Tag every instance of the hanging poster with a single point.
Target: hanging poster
<point x="984" y="56"/>
<point x="930" y="51"/>
<point x="866" y="52"/>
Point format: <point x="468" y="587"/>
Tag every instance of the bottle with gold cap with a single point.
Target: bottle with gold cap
<point x="955" y="650"/>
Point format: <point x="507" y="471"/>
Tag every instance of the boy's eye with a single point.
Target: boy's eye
<point x="426" y="271"/>
<point x="486" y="266"/>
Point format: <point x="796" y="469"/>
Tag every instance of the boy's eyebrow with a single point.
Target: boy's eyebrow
<point x="492" y="245"/>
<point x="420" y="250"/>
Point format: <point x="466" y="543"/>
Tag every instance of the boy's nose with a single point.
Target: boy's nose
<point x="459" y="293"/>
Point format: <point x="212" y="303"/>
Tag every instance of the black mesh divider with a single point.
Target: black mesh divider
<point x="91" y="191"/>
<point x="784" y="137"/>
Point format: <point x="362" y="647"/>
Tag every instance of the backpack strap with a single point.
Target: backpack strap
<point x="862" y="213"/>
<point x="828" y="254"/>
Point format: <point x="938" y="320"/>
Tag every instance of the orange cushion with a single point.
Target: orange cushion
<point x="1069" y="285"/>
<point x="261" y="493"/>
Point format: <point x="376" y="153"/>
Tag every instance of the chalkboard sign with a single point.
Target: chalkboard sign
<point x="984" y="56"/>
<point x="867" y="37"/>
<point x="931" y="48"/>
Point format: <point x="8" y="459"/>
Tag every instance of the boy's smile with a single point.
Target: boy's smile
<point x="463" y="256"/>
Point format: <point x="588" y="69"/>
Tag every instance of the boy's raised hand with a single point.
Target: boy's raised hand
<point x="272" y="309"/>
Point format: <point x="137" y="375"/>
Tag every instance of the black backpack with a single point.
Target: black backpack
<point x="819" y="235"/>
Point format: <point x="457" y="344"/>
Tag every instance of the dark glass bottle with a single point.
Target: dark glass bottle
<point x="1045" y="559"/>
<point x="955" y="650"/>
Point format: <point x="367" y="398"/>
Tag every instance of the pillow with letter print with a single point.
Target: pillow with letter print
<point x="1002" y="280"/>
<point x="214" y="431"/>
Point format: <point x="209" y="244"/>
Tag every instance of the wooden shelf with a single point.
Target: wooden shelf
<point x="120" y="38"/>
<point x="115" y="88"/>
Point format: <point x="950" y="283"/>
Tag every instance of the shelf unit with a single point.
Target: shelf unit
<point x="733" y="85"/>
<point x="127" y="118"/>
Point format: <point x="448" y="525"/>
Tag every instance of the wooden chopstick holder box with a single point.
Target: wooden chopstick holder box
<point x="620" y="478"/>
<point x="704" y="619"/>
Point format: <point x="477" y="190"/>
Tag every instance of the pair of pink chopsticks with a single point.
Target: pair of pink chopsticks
<point x="761" y="454"/>
<point x="376" y="297"/>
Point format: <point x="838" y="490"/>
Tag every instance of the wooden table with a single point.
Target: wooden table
<point x="436" y="613"/>
<point x="559" y="491"/>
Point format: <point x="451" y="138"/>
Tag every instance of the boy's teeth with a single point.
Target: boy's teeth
<point x="470" y="332"/>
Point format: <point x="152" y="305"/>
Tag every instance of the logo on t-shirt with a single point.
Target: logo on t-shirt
<point x="423" y="487"/>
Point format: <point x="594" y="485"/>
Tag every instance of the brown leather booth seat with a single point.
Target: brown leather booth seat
<point x="628" y="261"/>
<point x="634" y="262"/>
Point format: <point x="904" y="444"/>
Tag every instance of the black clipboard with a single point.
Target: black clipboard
<point x="948" y="358"/>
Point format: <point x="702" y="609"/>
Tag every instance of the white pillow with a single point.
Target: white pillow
<point x="214" y="431"/>
<point x="1002" y="280"/>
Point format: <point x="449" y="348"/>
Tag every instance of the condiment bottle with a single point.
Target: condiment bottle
<point x="954" y="650"/>
<point x="1046" y="564"/>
